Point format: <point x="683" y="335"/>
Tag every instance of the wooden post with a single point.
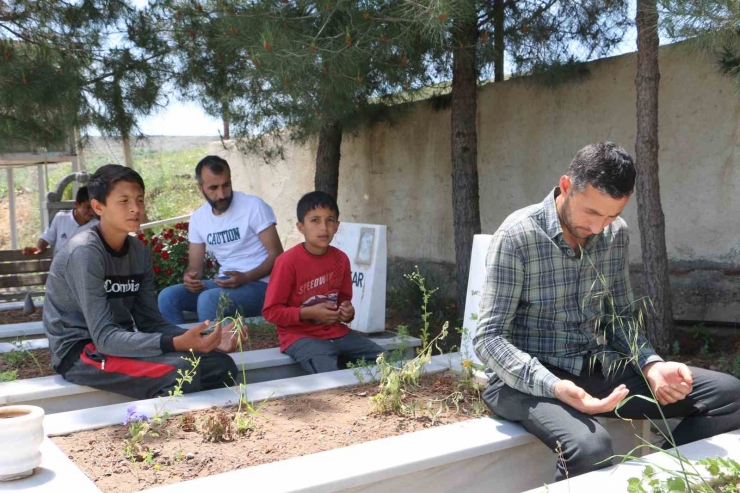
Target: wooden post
<point x="128" y="158"/>
<point x="11" y="210"/>
<point x="43" y="217"/>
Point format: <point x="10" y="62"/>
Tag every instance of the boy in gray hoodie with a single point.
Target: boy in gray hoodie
<point x="100" y="312"/>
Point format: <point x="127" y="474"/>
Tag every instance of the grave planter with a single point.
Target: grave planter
<point x="21" y="434"/>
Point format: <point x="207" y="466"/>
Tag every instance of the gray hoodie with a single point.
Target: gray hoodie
<point x="95" y="294"/>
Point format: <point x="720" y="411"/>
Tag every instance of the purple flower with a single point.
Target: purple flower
<point x="132" y="416"/>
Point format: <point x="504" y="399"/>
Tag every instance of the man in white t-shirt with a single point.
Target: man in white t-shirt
<point x="65" y="225"/>
<point x="239" y="230"/>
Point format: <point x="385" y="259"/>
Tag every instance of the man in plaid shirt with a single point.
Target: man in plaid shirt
<point x="558" y="324"/>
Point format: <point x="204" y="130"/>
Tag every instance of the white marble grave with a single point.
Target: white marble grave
<point x="476" y="280"/>
<point x="367" y="249"/>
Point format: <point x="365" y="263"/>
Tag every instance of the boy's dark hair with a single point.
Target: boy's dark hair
<point x="103" y="180"/>
<point x="315" y="200"/>
<point x="216" y="164"/>
<point x="606" y="167"/>
<point x="82" y="195"/>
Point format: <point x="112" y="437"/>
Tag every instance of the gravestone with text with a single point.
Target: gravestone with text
<point x="367" y="249"/>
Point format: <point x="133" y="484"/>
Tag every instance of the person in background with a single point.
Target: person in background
<point x="65" y="225"/>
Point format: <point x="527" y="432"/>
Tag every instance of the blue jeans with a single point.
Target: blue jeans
<point x="174" y="300"/>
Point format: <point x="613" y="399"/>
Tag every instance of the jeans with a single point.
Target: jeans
<point x="712" y="408"/>
<point x="248" y="299"/>
<point x="322" y="355"/>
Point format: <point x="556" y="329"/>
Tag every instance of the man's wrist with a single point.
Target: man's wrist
<point x="647" y="366"/>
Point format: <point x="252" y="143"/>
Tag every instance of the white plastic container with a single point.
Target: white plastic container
<point x="21" y="434"/>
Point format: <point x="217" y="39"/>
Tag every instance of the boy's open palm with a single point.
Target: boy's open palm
<point x="577" y="398"/>
<point x="192" y="339"/>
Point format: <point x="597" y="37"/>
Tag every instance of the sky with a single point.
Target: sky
<point x="188" y="119"/>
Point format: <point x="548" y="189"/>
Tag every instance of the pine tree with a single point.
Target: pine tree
<point x="65" y="64"/>
<point x="711" y="26"/>
<point x="544" y="39"/>
<point x="650" y="212"/>
<point x="296" y="69"/>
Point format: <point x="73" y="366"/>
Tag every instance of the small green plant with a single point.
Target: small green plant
<point x="140" y="426"/>
<point x="362" y="369"/>
<point x="703" y="336"/>
<point x="19" y="355"/>
<point x="8" y="376"/>
<point x="396" y="380"/>
<point x="723" y="476"/>
<point x="246" y="413"/>
<point x="416" y="278"/>
<point x="218" y="427"/>
<point x="675" y="349"/>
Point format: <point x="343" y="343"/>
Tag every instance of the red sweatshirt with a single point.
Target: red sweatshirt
<point x="301" y="279"/>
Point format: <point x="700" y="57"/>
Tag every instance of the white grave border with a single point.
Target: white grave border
<point x="465" y="457"/>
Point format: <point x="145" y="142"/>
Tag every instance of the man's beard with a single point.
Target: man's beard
<point x="566" y="223"/>
<point x="220" y="205"/>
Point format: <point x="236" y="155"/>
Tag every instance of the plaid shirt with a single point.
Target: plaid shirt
<point x="543" y="303"/>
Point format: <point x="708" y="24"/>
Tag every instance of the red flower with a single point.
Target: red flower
<point x="181" y="239"/>
<point x="168" y="272"/>
<point x="140" y="236"/>
<point x="178" y="226"/>
<point x="183" y="260"/>
<point x="158" y="248"/>
<point x="174" y="241"/>
<point x="145" y="242"/>
<point x="170" y="231"/>
<point x="155" y="240"/>
<point x="165" y="256"/>
<point x="209" y="264"/>
<point x="157" y="270"/>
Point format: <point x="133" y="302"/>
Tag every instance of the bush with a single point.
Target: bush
<point x="169" y="252"/>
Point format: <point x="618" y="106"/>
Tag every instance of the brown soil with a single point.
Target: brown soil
<point x="17" y="316"/>
<point x="262" y="336"/>
<point x="27" y="368"/>
<point x="286" y="428"/>
<point x="722" y="349"/>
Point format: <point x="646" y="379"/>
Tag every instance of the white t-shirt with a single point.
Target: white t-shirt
<point x="62" y="228"/>
<point x="232" y="236"/>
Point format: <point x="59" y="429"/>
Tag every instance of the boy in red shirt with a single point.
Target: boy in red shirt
<point x="309" y="297"/>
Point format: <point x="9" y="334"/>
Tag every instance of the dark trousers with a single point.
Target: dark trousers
<point x="322" y="355"/>
<point x="144" y="378"/>
<point x="712" y="408"/>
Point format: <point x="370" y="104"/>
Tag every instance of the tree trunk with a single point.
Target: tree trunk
<point x="465" y="198"/>
<point x="326" y="178"/>
<point x="659" y="322"/>
<point x="498" y="39"/>
<point x="128" y="157"/>
<point x="225" y="119"/>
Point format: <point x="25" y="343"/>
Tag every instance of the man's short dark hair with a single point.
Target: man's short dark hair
<point x="606" y="167"/>
<point x="315" y="200"/>
<point x="216" y="164"/>
<point x="82" y="195"/>
<point x="105" y="178"/>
